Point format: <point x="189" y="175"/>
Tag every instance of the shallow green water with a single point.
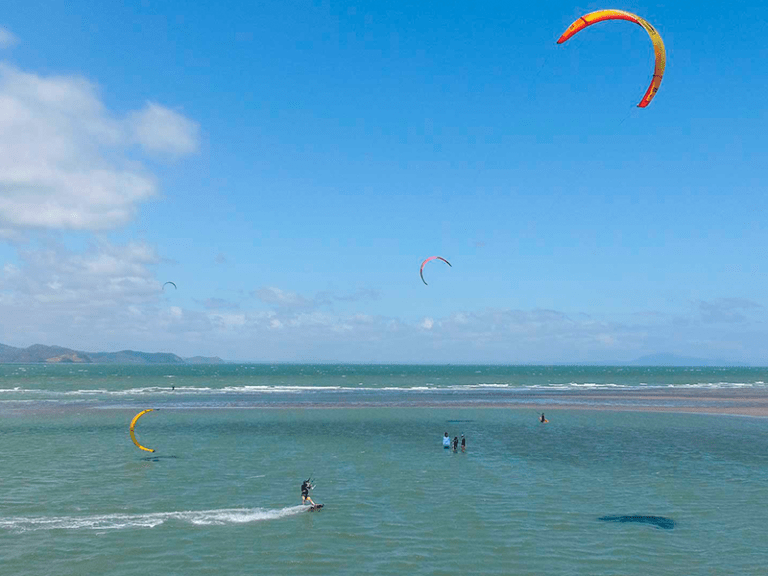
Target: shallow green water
<point x="222" y="496"/>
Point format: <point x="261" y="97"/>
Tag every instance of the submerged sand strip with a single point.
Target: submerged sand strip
<point x="734" y="401"/>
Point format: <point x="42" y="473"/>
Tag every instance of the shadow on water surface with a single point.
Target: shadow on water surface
<point x="658" y="521"/>
<point x="158" y="458"/>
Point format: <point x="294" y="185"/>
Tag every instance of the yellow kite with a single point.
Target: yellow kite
<point x="133" y="423"/>
<point x="658" y="45"/>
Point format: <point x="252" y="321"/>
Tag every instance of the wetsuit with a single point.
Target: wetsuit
<point x="455" y="443"/>
<point x="305" y="486"/>
<point x="463" y="443"/>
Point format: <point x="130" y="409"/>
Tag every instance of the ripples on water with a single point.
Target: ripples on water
<point x="221" y="494"/>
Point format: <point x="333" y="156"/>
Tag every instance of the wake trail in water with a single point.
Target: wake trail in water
<point x="223" y="517"/>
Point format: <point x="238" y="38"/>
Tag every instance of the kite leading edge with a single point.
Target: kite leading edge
<point x="658" y="44"/>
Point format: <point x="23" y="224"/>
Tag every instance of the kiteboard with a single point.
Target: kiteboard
<point x="316" y="507"/>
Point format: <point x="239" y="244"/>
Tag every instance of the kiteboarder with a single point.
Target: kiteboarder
<point x="305" y="488"/>
<point x="446" y="441"/>
<point x="542" y="419"/>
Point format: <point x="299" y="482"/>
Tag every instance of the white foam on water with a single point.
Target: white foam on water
<point x="223" y="517"/>
<point x="359" y="388"/>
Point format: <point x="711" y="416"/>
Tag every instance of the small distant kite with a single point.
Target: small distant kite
<point x="133" y="423"/>
<point x="171" y="283"/>
<point x="658" y="45"/>
<point x="421" y="270"/>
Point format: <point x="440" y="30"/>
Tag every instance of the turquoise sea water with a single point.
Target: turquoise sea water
<point x="221" y="493"/>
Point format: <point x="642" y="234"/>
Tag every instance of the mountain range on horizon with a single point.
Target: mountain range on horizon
<point x="42" y="354"/>
<point x="666" y="359"/>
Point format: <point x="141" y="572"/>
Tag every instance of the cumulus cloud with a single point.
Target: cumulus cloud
<point x="64" y="158"/>
<point x="219" y="304"/>
<point x="7" y="38"/>
<point x="102" y="276"/>
<point x="161" y="130"/>
<point x="286" y="299"/>
<point x="726" y="310"/>
<point x="282" y="298"/>
<point x="54" y="293"/>
<point x="109" y="293"/>
<point x="357" y="296"/>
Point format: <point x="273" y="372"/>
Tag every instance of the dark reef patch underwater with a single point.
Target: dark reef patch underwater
<point x="658" y="521"/>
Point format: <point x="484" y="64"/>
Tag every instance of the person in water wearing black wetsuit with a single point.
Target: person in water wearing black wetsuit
<point x="463" y="443"/>
<point x="455" y="443"/>
<point x="542" y="419"/>
<point x="305" y="488"/>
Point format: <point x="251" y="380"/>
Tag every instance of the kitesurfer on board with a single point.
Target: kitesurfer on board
<point x="305" y="488"/>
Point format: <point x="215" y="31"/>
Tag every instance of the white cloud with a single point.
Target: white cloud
<point x="727" y="310"/>
<point x="228" y="321"/>
<point x="282" y="298"/>
<point x="219" y="304"/>
<point x="64" y="160"/>
<point x="104" y="275"/>
<point x="161" y="130"/>
<point x="7" y="38"/>
<point x="56" y="295"/>
<point x="107" y="298"/>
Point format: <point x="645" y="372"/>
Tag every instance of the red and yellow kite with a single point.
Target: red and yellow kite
<point x="658" y="45"/>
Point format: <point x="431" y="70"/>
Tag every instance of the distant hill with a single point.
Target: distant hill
<point x="204" y="360"/>
<point x="674" y="360"/>
<point x="38" y="353"/>
<point x="132" y="357"/>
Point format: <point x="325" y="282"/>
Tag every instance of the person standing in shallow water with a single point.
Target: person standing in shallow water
<point x="463" y="443"/>
<point x="446" y="441"/>
<point x="455" y="443"/>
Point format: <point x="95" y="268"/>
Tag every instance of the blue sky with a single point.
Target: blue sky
<point x="290" y="164"/>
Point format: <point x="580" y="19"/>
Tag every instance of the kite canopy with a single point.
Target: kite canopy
<point x="133" y="423"/>
<point x="421" y="270"/>
<point x="658" y="45"/>
<point x="171" y="283"/>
